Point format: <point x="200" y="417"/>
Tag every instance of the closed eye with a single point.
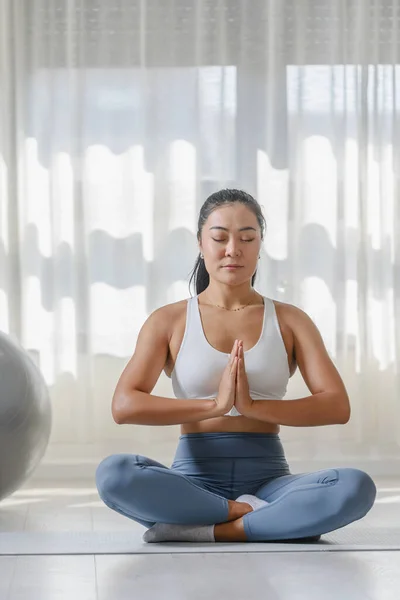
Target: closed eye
<point x="225" y="240"/>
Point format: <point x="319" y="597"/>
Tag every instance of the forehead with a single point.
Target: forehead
<point x="234" y="216"/>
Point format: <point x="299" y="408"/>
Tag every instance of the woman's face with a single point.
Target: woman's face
<point x="231" y="236"/>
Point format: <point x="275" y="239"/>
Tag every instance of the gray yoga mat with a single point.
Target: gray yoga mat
<point x="49" y="543"/>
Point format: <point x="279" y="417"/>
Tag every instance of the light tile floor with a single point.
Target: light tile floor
<point x="76" y="507"/>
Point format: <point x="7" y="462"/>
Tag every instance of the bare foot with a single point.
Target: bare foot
<point x="237" y="509"/>
<point x="233" y="531"/>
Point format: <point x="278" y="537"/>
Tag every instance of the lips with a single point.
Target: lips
<point x="232" y="267"/>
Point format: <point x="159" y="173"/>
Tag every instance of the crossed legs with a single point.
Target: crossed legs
<point x="302" y="505"/>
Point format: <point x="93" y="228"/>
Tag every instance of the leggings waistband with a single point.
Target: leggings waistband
<point x="230" y="445"/>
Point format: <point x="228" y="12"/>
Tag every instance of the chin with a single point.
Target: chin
<point x="237" y="273"/>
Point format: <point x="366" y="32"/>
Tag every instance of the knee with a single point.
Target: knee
<point x="112" y="475"/>
<point x="361" y="491"/>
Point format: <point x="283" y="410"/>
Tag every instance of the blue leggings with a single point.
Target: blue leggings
<point x="210" y="468"/>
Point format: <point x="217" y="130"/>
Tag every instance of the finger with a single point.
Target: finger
<point x="239" y="374"/>
<point x="234" y="367"/>
<point x="234" y="350"/>
<point x="241" y="356"/>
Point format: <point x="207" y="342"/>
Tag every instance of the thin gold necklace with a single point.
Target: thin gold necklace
<point x="230" y="309"/>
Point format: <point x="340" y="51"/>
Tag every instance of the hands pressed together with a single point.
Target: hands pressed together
<point x="234" y="387"/>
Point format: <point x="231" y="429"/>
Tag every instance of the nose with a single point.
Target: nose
<point x="232" y="249"/>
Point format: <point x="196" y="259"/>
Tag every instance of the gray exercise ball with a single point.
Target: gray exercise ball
<point x="25" y="416"/>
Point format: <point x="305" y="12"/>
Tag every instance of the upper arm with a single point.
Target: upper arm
<point x="151" y="352"/>
<point x="318" y="371"/>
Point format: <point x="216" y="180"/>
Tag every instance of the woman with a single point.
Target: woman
<point x="230" y="352"/>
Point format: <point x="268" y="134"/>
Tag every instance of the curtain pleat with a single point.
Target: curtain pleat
<point x="119" y="118"/>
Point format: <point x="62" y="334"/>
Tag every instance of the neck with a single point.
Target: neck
<point x="230" y="298"/>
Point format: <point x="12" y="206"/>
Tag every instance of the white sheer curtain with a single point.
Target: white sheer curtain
<point x="118" y="119"/>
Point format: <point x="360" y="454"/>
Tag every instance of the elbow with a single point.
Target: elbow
<point x="346" y="418"/>
<point x="345" y="413"/>
<point x="116" y="414"/>
<point x="339" y="411"/>
<point x="121" y="408"/>
<point x="117" y="417"/>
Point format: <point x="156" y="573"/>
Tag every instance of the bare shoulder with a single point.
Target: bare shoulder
<point x="173" y="309"/>
<point x="291" y="315"/>
<point x="170" y="314"/>
<point x="305" y="332"/>
<point x="296" y="323"/>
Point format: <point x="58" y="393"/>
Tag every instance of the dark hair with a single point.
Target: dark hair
<point x="217" y="199"/>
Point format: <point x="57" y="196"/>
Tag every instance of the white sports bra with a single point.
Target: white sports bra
<point x="199" y="366"/>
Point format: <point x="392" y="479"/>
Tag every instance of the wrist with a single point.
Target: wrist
<point x="247" y="409"/>
<point x="215" y="409"/>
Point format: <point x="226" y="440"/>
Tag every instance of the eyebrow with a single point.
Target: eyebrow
<point x="225" y="229"/>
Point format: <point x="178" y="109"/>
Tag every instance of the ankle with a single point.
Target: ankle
<point x="230" y="532"/>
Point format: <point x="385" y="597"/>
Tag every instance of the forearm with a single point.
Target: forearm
<point x="140" y="408"/>
<point x="325" y="408"/>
